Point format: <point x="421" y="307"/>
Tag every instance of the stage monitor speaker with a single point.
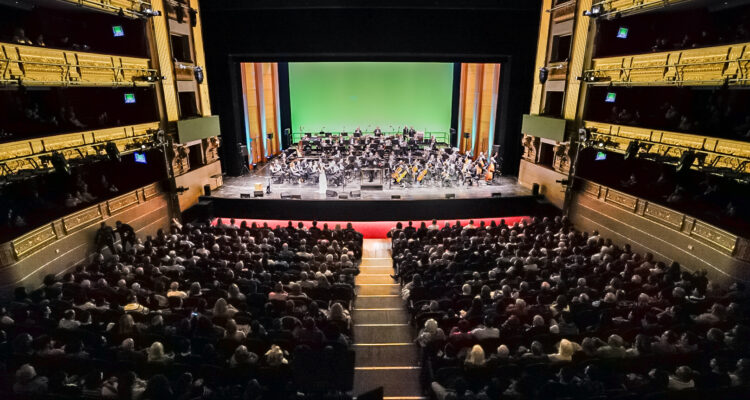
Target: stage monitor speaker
<point x="497" y="194"/>
<point x="450" y="195"/>
<point x="207" y="190"/>
<point x="395" y="196"/>
<point x="258" y="193"/>
<point x="331" y="193"/>
<point x="285" y="195"/>
<point x="297" y="196"/>
<point x="453" y="138"/>
<point x="535" y="189"/>
<point x="286" y="138"/>
<point x="355" y="194"/>
<point x="246" y="196"/>
<point x="343" y="196"/>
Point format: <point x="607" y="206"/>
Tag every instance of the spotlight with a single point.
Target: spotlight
<point x="198" y="72"/>
<point x="594" y="12"/>
<point x="583" y="135"/>
<point x="149" y="12"/>
<point x="112" y="151"/>
<point x="60" y="163"/>
<point x="686" y="161"/>
<point x="543" y="74"/>
<point x="632" y="150"/>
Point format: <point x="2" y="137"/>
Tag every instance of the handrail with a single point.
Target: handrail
<point x="101" y="5"/>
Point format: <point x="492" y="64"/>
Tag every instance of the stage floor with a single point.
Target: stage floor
<point x="234" y="186"/>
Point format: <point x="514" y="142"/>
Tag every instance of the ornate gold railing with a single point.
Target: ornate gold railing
<point x="28" y="154"/>
<point x="624" y="7"/>
<point x="35" y="240"/>
<point x="128" y="8"/>
<point x="719" y="153"/>
<point x="707" y="66"/>
<point x="721" y="240"/>
<point x="42" y="66"/>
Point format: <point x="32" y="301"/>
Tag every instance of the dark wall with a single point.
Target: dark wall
<point x="455" y="34"/>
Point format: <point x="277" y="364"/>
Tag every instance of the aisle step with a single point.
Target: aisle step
<point x="396" y="382"/>
<point x="374" y="278"/>
<point x="382" y="301"/>
<point x="370" y="356"/>
<point x="383" y="334"/>
<point x="377" y="289"/>
<point x="370" y="315"/>
<point x="376" y="262"/>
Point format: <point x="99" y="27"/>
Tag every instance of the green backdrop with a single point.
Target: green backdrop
<point x="340" y="96"/>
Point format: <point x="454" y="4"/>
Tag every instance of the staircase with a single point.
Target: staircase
<point x="383" y="338"/>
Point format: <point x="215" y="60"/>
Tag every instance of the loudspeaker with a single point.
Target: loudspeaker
<point x="343" y="196"/>
<point x="355" y="194"/>
<point x="258" y="193"/>
<point x="454" y="138"/>
<point x="285" y="195"/>
<point x="331" y="193"/>
<point x="395" y="196"/>
<point x="467" y="135"/>
<point x="269" y="135"/>
<point x="297" y="196"/>
<point x="245" y="196"/>
<point x="207" y="190"/>
<point x="535" y="189"/>
<point x="497" y="194"/>
<point x="450" y="195"/>
<point x="286" y="138"/>
<point x="495" y="149"/>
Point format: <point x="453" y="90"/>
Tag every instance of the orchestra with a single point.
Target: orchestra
<point x="404" y="160"/>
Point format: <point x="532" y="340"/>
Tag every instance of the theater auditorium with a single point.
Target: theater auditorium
<point x="374" y="199"/>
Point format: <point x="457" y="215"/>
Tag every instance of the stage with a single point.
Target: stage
<point x="235" y="186"/>
<point x="505" y="199"/>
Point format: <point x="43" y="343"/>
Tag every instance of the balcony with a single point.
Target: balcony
<point x="128" y="8"/>
<point x="627" y="7"/>
<point x="564" y="10"/>
<point x="27" y="155"/>
<point x="719" y="153"/>
<point x="710" y="66"/>
<point x="42" y="66"/>
<point x="720" y="240"/>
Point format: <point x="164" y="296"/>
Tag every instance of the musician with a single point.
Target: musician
<point x="358" y="131"/>
<point x="377" y="130"/>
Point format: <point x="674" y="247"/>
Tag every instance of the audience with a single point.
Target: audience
<point x="576" y="315"/>
<point x="194" y="312"/>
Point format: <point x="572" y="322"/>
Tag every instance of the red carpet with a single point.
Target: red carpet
<point x="372" y="230"/>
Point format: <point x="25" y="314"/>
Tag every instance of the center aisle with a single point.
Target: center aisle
<point x="383" y="338"/>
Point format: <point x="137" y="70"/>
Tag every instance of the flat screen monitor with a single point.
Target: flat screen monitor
<point x="117" y="31"/>
<point x="140" y="157"/>
<point x="622" y="33"/>
<point x="129" y="98"/>
<point x="611" y="96"/>
<point x="600" y="156"/>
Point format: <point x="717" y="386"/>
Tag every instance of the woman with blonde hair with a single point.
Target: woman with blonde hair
<point x="156" y="354"/>
<point x="223" y="309"/>
<point x="338" y="313"/>
<point x="275" y="356"/>
<point x="429" y="334"/>
<point x="565" y="350"/>
<point x="475" y="357"/>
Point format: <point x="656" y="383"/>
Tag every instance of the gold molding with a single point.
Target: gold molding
<point x="621" y="199"/>
<point x="714" y="235"/>
<point x="122" y="202"/>
<point x="664" y="215"/>
<point x="83" y="218"/>
<point x="33" y="240"/>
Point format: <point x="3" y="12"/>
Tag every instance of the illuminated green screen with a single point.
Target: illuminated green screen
<point x="341" y="96"/>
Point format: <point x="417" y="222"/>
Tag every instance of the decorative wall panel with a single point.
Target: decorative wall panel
<point x="33" y="240"/>
<point x="82" y="218"/>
